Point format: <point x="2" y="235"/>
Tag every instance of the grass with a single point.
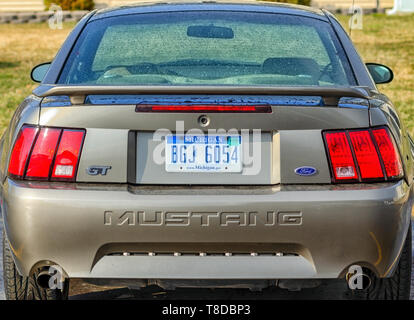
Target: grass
<point x="390" y="40"/>
<point x="21" y="48"/>
<point x="384" y="39"/>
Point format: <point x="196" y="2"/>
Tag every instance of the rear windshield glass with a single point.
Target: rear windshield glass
<point x="208" y="48"/>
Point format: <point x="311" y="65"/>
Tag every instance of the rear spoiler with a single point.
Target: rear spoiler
<point x="77" y="94"/>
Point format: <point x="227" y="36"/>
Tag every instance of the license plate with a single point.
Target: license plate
<point x="210" y="153"/>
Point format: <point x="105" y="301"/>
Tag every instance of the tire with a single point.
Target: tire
<point x="17" y="287"/>
<point x="398" y="286"/>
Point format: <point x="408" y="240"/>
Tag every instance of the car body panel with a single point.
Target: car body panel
<point x="110" y="148"/>
<point x="76" y="225"/>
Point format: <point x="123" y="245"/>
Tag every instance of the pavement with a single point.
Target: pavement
<point x="80" y="290"/>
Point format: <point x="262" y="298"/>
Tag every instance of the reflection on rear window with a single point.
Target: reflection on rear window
<point x="208" y="48"/>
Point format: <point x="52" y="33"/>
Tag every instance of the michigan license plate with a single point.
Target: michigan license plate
<point x="210" y="153"/>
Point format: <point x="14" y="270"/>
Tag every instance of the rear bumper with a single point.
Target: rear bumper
<point x="320" y="230"/>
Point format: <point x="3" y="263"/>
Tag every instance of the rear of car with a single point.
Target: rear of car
<point x="207" y="145"/>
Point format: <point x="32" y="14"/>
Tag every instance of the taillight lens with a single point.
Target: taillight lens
<point x="21" y="151"/>
<point x="366" y="155"/>
<point x="52" y="154"/>
<point x="43" y="153"/>
<point x="389" y="153"/>
<point x="67" y="156"/>
<point x="341" y="156"/>
<point x="363" y="155"/>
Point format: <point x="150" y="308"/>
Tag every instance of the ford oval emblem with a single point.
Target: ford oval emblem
<point x="306" y="171"/>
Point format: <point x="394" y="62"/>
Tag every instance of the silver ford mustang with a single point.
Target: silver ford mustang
<point x="207" y="145"/>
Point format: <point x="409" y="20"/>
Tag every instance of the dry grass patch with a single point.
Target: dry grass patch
<point x="390" y="40"/>
<point x="21" y="48"/>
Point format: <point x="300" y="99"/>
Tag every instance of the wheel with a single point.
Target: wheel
<point x="398" y="286"/>
<point x="17" y="287"/>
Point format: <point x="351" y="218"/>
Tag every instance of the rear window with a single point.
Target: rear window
<point x="208" y="48"/>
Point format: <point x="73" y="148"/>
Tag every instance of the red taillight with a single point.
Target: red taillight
<point x="67" y="157"/>
<point x="366" y="155"/>
<point x="43" y="153"/>
<point x="58" y="147"/>
<point x="21" y="151"/>
<point x="341" y="156"/>
<point x="362" y="154"/>
<point x="203" y="108"/>
<point x="389" y="153"/>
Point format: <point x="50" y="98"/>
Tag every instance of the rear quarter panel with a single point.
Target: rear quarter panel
<point x="383" y="113"/>
<point x="26" y="113"/>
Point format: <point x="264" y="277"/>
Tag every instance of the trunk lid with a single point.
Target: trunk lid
<point x="275" y="144"/>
